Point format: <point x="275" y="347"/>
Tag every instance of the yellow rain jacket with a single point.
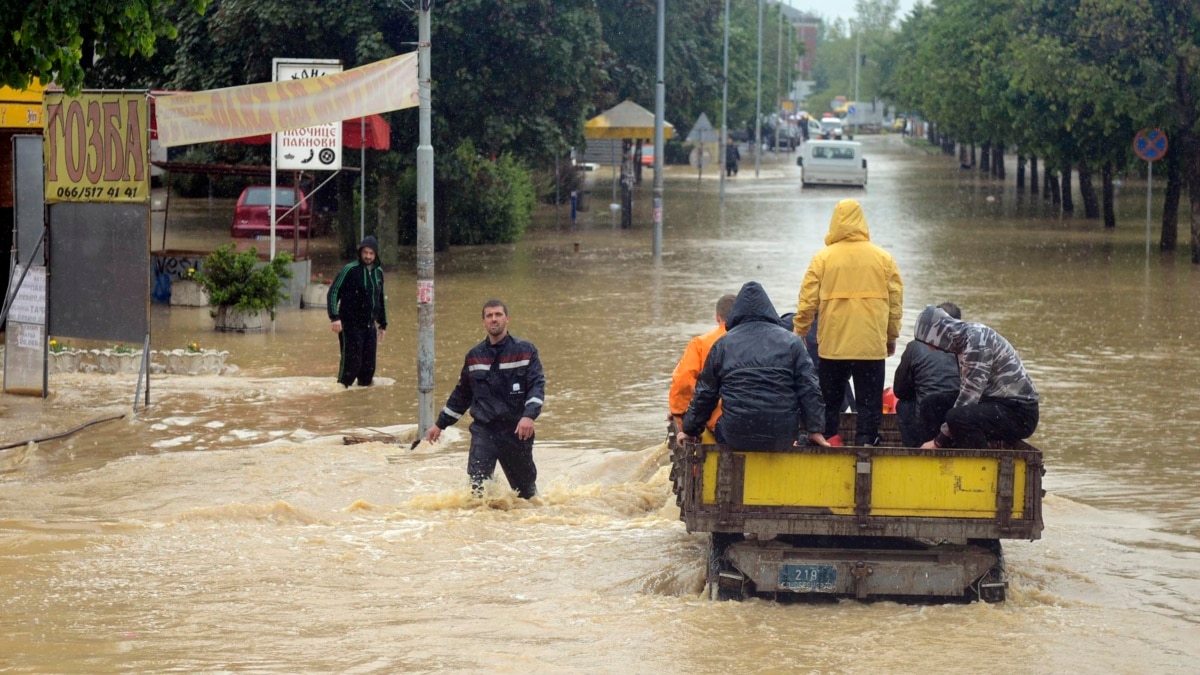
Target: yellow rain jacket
<point x="855" y="289"/>
<point x="683" y="380"/>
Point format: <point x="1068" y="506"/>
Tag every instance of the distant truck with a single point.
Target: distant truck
<point x="861" y="522"/>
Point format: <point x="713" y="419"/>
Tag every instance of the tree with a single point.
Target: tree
<point x="57" y="41"/>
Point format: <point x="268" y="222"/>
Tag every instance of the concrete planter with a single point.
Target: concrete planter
<point x="66" y="361"/>
<point x="233" y="320"/>
<point x="315" y="296"/>
<point x="188" y="293"/>
<point x="117" y="363"/>
<point x="203" y="362"/>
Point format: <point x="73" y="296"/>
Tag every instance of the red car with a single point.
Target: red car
<point x="250" y="216"/>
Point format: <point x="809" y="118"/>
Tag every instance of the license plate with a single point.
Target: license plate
<point x="808" y="578"/>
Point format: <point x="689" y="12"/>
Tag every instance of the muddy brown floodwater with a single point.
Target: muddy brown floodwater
<point x="226" y="528"/>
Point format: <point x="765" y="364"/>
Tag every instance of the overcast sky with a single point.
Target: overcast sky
<point x="832" y="9"/>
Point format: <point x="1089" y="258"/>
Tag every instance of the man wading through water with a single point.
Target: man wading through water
<point x="503" y="386"/>
<point x="355" y="306"/>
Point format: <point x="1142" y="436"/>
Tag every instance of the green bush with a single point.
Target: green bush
<point x="477" y="200"/>
<point x="237" y="280"/>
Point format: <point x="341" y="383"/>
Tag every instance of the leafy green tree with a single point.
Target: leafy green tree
<point x="58" y="41"/>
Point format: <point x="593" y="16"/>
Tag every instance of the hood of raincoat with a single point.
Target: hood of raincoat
<point x="937" y="328"/>
<point x="848" y="223"/>
<point x="751" y="304"/>
<point x="369" y="242"/>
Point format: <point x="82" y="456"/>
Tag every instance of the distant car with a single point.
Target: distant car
<point x="250" y="216"/>
<point x="831" y="128"/>
<point x="832" y="163"/>
<point x="647" y="154"/>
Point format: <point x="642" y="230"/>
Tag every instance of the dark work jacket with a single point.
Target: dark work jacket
<point x="499" y="384"/>
<point x="761" y="373"/>
<point x="356" y="297"/>
<point x="924" y="371"/>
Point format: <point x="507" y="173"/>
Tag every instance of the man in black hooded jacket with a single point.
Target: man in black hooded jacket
<point x="761" y="373"/>
<point x="357" y="314"/>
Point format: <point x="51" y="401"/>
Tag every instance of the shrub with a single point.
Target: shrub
<point x="477" y="200"/>
<point x="238" y="280"/>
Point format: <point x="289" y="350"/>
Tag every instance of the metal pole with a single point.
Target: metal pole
<point x="425" y="405"/>
<point x="857" y="61"/>
<point x="362" y="181"/>
<point x="725" y="105"/>
<point x="778" y="75"/>
<point x="273" y="204"/>
<point x="659" y="143"/>
<point x="758" y="97"/>
<point x="1149" y="196"/>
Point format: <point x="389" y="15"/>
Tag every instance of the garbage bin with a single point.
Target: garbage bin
<point x="585" y="201"/>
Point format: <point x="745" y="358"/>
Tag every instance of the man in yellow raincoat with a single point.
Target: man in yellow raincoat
<point x="856" y="287"/>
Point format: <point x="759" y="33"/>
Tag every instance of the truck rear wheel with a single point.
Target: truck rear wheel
<point x="724" y="581"/>
<point x="992" y="587"/>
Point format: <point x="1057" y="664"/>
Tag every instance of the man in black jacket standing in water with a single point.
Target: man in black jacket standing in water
<point x="503" y="386"/>
<point x="357" y="314"/>
<point x="761" y="373"/>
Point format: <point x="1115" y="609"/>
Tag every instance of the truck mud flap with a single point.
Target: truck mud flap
<point x="937" y="571"/>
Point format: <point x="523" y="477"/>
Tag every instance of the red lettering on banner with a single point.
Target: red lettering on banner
<point x="54" y="121"/>
<point x="111" y="162"/>
<point x="95" y="142"/>
<point x="216" y="108"/>
<point x="74" y="132"/>
<point x="135" y="155"/>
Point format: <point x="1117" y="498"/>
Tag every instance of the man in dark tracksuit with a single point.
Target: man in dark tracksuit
<point x="356" y="310"/>
<point x="503" y="386"/>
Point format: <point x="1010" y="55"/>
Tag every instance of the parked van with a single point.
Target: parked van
<point x="832" y="163"/>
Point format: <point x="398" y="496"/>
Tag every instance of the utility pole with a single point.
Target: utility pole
<point x="857" y="61"/>
<point x="659" y="144"/>
<point x="425" y="405"/>
<point x="725" y="106"/>
<point x="778" y="75"/>
<point x="758" y="98"/>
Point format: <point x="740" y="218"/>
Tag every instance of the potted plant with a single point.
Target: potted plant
<point x="187" y="291"/>
<point x="316" y="294"/>
<point x="118" y="359"/>
<point x="64" y="358"/>
<point x="192" y="360"/>
<point x="240" y="289"/>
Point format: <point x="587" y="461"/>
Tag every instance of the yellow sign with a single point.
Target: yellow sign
<point x="268" y="107"/>
<point x="97" y="148"/>
<point x="788" y="106"/>
<point x="21" y="109"/>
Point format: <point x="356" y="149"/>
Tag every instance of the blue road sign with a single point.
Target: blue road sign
<point x="1150" y="144"/>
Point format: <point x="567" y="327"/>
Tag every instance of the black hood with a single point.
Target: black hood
<point x="752" y="304"/>
<point x="369" y="242"/>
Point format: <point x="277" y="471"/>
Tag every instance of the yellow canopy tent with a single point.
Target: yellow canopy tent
<point x="625" y="120"/>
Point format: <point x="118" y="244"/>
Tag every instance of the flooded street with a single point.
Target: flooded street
<point x="227" y="528"/>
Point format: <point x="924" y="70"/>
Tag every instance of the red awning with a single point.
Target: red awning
<point x="378" y="134"/>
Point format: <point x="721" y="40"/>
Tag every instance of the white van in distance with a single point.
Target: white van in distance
<point x="832" y="163"/>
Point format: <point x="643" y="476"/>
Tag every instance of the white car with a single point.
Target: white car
<point x="832" y="163"/>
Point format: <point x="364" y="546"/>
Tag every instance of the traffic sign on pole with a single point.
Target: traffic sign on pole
<point x="1150" y="144"/>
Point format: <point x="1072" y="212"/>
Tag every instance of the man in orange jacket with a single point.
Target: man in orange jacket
<point x="683" y="380"/>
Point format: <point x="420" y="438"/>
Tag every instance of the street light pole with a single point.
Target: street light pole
<point x="425" y="404"/>
<point x="758" y="98"/>
<point x="857" y="61"/>
<point x="725" y="105"/>
<point x="659" y="144"/>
